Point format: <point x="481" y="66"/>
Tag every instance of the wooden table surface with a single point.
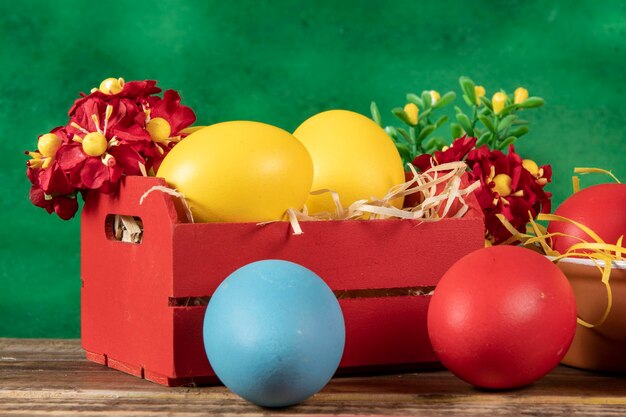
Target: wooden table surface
<point x="52" y="377"/>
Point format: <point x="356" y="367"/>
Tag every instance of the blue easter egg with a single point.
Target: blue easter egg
<point x="274" y="333"/>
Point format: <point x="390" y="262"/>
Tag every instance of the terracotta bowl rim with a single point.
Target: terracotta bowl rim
<point x="589" y="262"/>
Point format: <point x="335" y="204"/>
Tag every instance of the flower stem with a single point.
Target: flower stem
<point x="474" y="117"/>
<point x="496" y="136"/>
<point x="414" y="144"/>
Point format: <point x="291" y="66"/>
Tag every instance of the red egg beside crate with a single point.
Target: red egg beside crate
<point x="143" y="303"/>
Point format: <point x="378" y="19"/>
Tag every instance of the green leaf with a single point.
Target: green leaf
<point x="429" y="144"/>
<point x="441" y="121"/>
<point x="400" y="114"/>
<point x="427" y="99"/>
<point x="467" y="100"/>
<point x="434" y="144"/>
<point x="424" y="115"/>
<point x="485" y="138"/>
<point x="405" y="135"/>
<point x="457" y="109"/>
<point x="403" y="147"/>
<point x="465" y="123"/>
<point x="519" y="131"/>
<point x="405" y="151"/>
<point x="487" y="102"/>
<point x="446" y="99"/>
<point x="485" y="120"/>
<point x="425" y="132"/>
<point x="467" y="85"/>
<point x="506" y="142"/>
<point x="507" y="109"/>
<point x="506" y="122"/>
<point x="457" y="130"/>
<point x="415" y="99"/>
<point x="392" y="132"/>
<point x="520" y="122"/>
<point x="531" y="102"/>
<point x="375" y="113"/>
<point x="440" y="142"/>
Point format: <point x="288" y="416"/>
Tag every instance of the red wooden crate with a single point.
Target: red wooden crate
<point x="134" y="314"/>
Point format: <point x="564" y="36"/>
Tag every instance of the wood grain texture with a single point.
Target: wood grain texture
<point x="51" y="377"/>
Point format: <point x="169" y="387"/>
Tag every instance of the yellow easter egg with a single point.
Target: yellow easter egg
<point x="239" y="171"/>
<point x="352" y="155"/>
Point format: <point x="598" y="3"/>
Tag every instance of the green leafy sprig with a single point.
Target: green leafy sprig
<point x="494" y="122"/>
<point x="420" y="120"/>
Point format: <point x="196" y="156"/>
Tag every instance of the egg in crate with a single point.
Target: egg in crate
<point x="239" y="171"/>
<point x="352" y="156"/>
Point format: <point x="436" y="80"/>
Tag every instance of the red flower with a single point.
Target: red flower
<point x="87" y="172"/>
<point x="135" y="91"/>
<point x="43" y="169"/>
<point x="51" y="189"/>
<point x="139" y="89"/>
<point x="54" y="181"/>
<point x="456" y="152"/>
<point x="506" y="188"/>
<point x="51" y="179"/>
<point x="126" y="121"/>
<point x="65" y="206"/>
<point x="106" y="144"/>
<point x="165" y="119"/>
<point x="509" y="185"/>
<point x="118" y="129"/>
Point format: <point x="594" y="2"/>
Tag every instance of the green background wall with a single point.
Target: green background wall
<point x="280" y="64"/>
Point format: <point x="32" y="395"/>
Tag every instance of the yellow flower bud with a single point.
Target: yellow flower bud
<point x="502" y="185"/>
<point x="412" y="112"/>
<point x="94" y="144"/>
<point x="435" y="96"/>
<point x="531" y="166"/>
<point x="49" y="144"/>
<point x="112" y="85"/>
<point x="498" y="101"/>
<point x="520" y="95"/>
<point x="479" y="91"/>
<point x="159" y="129"/>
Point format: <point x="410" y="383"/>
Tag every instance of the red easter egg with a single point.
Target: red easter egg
<point x="602" y="208"/>
<point x="502" y="317"/>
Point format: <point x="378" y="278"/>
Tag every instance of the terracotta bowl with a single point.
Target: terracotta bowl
<point x="602" y="348"/>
